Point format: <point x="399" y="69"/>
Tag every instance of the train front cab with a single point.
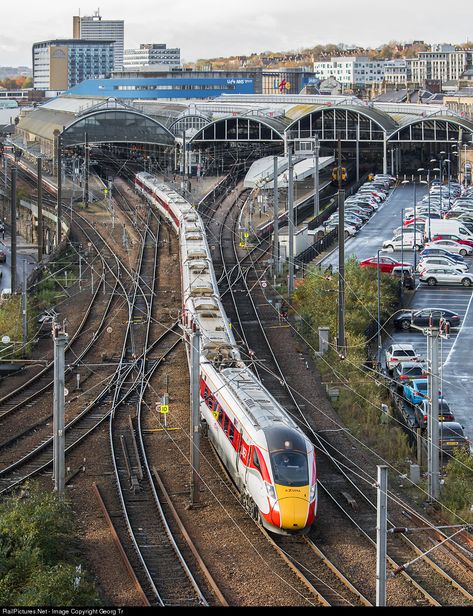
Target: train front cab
<point x="293" y="494"/>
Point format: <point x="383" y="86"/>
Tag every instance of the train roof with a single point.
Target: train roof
<point x="263" y="410"/>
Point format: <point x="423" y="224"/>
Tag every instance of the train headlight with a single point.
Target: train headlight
<point x="313" y="491"/>
<point x="271" y="491"/>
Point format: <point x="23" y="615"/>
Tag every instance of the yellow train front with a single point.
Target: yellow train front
<point x="335" y="175"/>
<point x="291" y="482"/>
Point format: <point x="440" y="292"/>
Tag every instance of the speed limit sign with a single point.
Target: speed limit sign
<point x="264" y="284"/>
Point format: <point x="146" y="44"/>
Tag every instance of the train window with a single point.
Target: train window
<point x="226" y="421"/>
<point x="231" y="432"/>
<point x="290" y="468"/>
<point x="256" y="459"/>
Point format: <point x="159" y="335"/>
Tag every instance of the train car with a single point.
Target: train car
<point x="335" y="175"/>
<point x="269" y="458"/>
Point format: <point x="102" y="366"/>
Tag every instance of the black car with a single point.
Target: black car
<point x="452" y="438"/>
<point x="423" y="318"/>
<point x="422" y="410"/>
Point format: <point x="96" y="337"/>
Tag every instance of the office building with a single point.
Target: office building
<point x="150" y="56"/>
<point x="98" y="29"/>
<point x="63" y="63"/>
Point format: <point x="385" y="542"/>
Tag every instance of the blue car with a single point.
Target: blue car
<point x="416" y="391"/>
<point x="435" y="252"/>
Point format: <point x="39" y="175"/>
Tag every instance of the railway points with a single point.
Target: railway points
<point x="245" y="287"/>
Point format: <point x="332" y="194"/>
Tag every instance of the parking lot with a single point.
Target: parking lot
<point x="455" y="360"/>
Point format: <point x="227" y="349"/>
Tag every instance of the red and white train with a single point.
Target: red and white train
<point x="269" y="458"/>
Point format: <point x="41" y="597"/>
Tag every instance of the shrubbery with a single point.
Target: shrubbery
<point x="361" y="392"/>
<point x="38" y="553"/>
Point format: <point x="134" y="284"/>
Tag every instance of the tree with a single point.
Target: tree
<point x="39" y="553"/>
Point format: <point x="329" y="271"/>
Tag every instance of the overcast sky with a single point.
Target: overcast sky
<point x="211" y="28"/>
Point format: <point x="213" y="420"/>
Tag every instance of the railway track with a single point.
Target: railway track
<point x="167" y="579"/>
<point x="435" y="583"/>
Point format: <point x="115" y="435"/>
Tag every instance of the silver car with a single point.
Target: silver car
<point x="434" y="262"/>
<point x="445" y="275"/>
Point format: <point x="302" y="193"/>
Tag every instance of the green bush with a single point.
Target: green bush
<point x="457" y="491"/>
<point x="361" y="392"/>
<point x="38" y="553"/>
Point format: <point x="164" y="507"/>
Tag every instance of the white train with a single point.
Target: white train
<point x="270" y="459"/>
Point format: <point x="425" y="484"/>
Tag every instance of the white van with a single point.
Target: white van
<point x="448" y="227"/>
<point x="407" y="241"/>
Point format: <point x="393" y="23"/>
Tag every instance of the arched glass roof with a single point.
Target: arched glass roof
<point x="116" y="125"/>
<point x="242" y="128"/>
<point x="432" y="128"/>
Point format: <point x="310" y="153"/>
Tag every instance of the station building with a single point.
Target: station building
<point x="220" y="132"/>
<point x="190" y="84"/>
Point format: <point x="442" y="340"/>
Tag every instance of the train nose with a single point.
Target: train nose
<point x="293" y="507"/>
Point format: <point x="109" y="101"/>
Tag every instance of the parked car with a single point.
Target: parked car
<point x="422" y="412"/>
<point x="430" y="252"/>
<point x="405" y="272"/>
<point x="425" y="316"/>
<point x="350" y="229"/>
<point x="445" y="275"/>
<point x="398" y="353"/>
<point x="451" y="438"/>
<point x="439" y="261"/>
<point x="451" y="236"/>
<point x="406" y="241"/>
<point x="415" y="391"/>
<point x="450" y="246"/>
<point x="408" y="370"/>
<point x="386" y="264"/>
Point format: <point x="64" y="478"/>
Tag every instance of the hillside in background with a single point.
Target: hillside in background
<point x="318" y="53"/>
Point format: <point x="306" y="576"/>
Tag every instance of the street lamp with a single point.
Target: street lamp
<point x="419" y="171"/>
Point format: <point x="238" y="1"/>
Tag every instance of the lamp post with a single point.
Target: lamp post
<point x="441" y="161"/>
<point x="448" y="161"/>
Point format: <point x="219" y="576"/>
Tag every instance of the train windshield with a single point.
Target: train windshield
<point x="290" y="468"/>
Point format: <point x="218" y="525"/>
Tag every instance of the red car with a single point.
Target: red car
<point x="455" y="238"/>
<point x="386" y="264"/>
<point x="412" y="220"/>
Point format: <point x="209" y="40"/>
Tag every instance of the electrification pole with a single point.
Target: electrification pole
<point x="433" y="417"/>
<point x="381" y="535"/>
<point x="86" y="170"/>
<point x="59" y="190"/>
<point x="13" y="228"/>
<point x="275" y="221"/>
<point x="40" y="208"/>
<point x="341" y="255"/>
<point x="316" y="175"/>
<point x="24" y="307"/>
<point x="59" y="456"/>
<point x="195" y="408"/>
<point x="290" y="220"/>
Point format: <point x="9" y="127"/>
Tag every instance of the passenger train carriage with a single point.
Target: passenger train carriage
<point x="269" y="458"/>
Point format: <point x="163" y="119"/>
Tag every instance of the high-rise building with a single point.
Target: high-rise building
<point x="96" y="28"/>
<point x="151" y="55"/>
<point x="61" y="64"/>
